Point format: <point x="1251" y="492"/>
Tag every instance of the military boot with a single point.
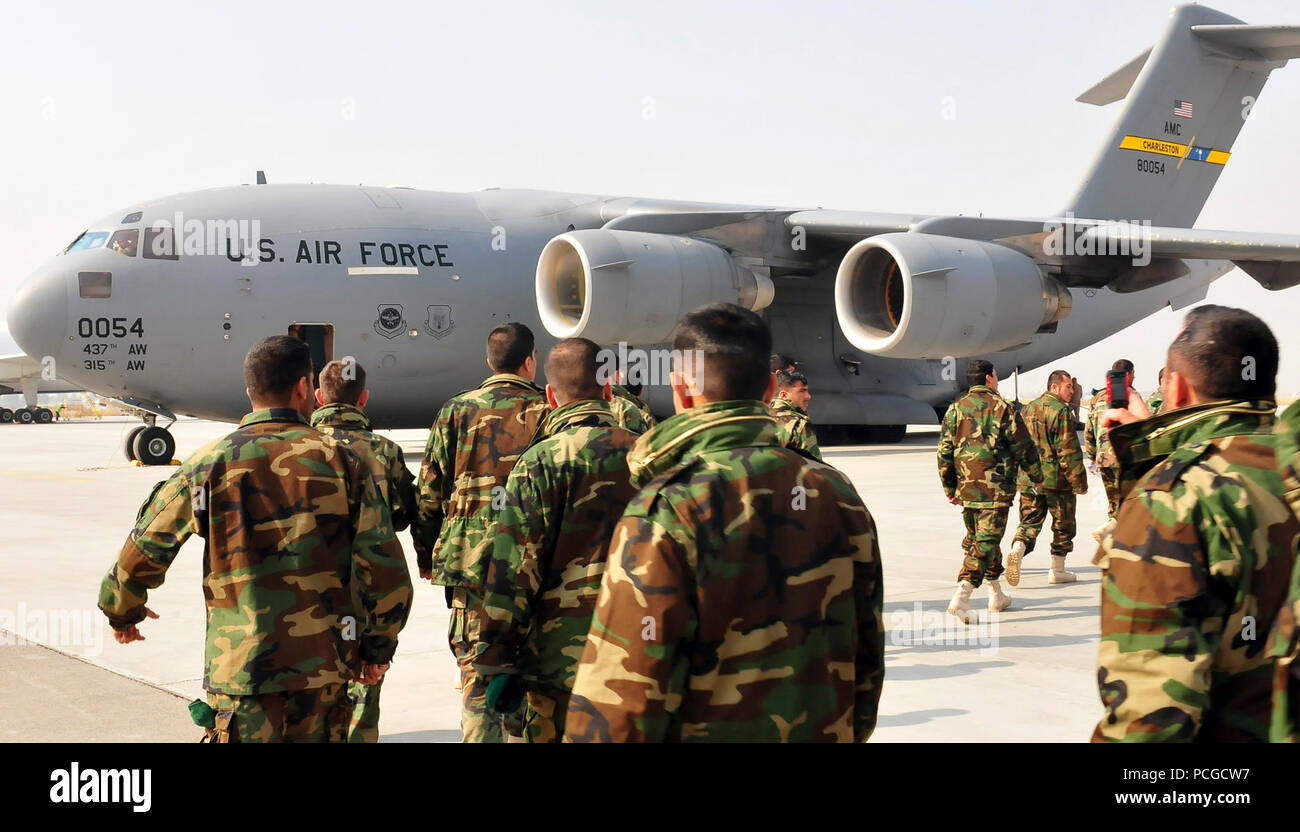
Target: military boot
<point x="1013" y="562"/>
<point x="960" y="603"/>
<point x="1058" y="574"/>
<point x="998" y="600"/>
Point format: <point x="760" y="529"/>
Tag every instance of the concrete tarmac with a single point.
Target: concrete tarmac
<point x="68" y="498"/>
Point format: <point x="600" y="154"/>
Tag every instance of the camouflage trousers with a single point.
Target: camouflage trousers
<point x="364" y="699"/>
<point x="982" y="546"/>
<point x="1110" y="480"/>
<point x="313" y="715"/>
<point x="544" y="716"/>
<point x="1033" y="513"/>
<point x="477" y="722"/>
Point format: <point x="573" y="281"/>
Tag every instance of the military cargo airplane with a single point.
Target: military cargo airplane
<point x="156" y="304"/>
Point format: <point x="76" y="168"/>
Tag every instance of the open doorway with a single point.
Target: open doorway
<point x="320" y="340"/>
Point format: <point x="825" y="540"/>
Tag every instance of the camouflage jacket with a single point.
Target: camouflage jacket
<point x="1096" y="444"/>
<point x="1050" y="423"/>
<point x="562" y="500"/>
<point x="630" y="411"/>
<point x="742" y="595"/>
<point x="349" y="425"/>
<point x="1194" y="575"/>
<point x="984" y="443"/>
<point x="475" y="441"/>
<point x="1286" y="635"/>
<point x="794" y="428"/>
<point x="294" y="529"/>
<point x="1155" y="401"/>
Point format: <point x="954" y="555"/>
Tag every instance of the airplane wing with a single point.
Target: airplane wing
<point x="17" y="368"/>
<point x="1272" y="259"/>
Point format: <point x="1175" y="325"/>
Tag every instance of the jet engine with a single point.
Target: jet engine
<point x="927" y="296"/>
<point x="632" y="286"/>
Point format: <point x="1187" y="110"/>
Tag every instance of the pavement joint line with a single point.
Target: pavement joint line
<point x="19" y="640"/>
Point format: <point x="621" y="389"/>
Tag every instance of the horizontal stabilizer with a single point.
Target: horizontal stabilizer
<point x="1270" y="43"/>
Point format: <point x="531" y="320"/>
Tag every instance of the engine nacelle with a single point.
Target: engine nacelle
<point x="632" y="286"/>
<point x="927" y="296"/>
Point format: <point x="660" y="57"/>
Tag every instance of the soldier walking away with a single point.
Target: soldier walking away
<point x="790" y="409"/>
<point x="342" y="398"/>
<point x="630" y="411"/>
<point x="1157" y="399"/>
<point x="982" y="445"/>
<point x="1097" y="444"/>
<point x="1196" y="569"/>
<point x="741" y="598"/>
<point x="1285" y="648"/>
<point x="476" y="439"/>
<point x="562" y="500"/>
<point x="1050" y="423"/>
<point x="306" y="587"/>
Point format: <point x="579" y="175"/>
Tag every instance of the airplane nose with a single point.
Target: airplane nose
<point x="39" y="312"/>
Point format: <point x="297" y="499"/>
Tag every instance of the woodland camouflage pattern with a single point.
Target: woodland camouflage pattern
<point x="629" y="410"/>
<point x="1096" y="445"/>
<point x="1286" y="637"/>
<point x="1050" y="421"/>
<point x="1195" y="573"/>
<point x="294" y="528"/>
<point x="1155" y="401"/>
<point x="794" y="427"/>
<point x="742" y="595"/>
<point x="983" y="444"/>
<point x="349" y="425"/>
<point x="475" y="441"/>
<point x="562" y="500"/>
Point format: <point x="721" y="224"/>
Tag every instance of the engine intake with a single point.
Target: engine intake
<point x="927" y="296"/>
<point x="633" y="286"/>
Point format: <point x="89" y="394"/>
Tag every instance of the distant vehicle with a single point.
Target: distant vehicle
<point x="156" y="305"/>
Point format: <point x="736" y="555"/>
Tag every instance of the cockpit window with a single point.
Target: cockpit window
<point x="87" y="241"/>
<point x="160" y="244"/>
<point x="125" y="242"/>
<point x="134" y="216"/>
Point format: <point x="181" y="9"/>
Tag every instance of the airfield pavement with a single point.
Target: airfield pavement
<point x="68" y="498"/>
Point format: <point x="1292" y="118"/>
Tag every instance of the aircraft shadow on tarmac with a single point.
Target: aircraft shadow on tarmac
<point x="927" y="672"/>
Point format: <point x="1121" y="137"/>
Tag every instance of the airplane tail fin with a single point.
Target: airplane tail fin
<point x="1185" y="100"/>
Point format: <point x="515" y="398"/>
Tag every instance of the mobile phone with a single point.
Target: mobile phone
<point x="1117" y="388"/>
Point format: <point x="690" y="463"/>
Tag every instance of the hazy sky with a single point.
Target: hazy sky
<point x="812" y="104"/>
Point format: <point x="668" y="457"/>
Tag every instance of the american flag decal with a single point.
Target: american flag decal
<point x="1183" y="109"/>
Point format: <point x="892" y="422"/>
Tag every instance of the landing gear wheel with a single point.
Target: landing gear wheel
<point x="44" y="415"/>
<point x="129" y="446"/>
<point x="154" y="446"/>
<point x="6" y="415"/>
<point x="886" y="434"/>
<point x="23" y="416"/>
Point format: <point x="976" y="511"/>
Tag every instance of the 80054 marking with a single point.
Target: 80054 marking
<point x="109" y="327"/>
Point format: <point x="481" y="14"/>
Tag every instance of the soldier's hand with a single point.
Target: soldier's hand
<point x="372" y="673"/>
<point x="426" y="574"/>
<point x="132" y="633"/>
<point x="1117" y="416"/>
<point x="1138" y="405"/>
<point x="953" y="499"/>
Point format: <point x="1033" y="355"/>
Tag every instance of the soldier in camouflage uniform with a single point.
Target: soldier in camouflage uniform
<point x="1285" y="647"/>
<point x="742" y="595"/>
<point x="982" y="444"/>
<point x="1097" y="444"/>
<point x="1196" y="568"/>
<point x="1050" y="422"/>
<point x="1157" y="399"/>
<point x="342" y="396"/>
<point x="789" y="407"/>
<point x="562" y="500"/>
<point x="475" y="441"/>
<point x="306" y="587"/>
<point x="629" y="410"/>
